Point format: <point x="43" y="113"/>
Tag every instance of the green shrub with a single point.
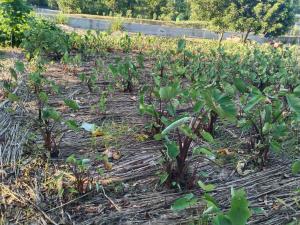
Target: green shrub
<point x="117" y="24"/>
<point x="69" y="6"/>
<point x="14" y="17"/>
<point x="61" y="18"/>
<point x="45" y="38"/>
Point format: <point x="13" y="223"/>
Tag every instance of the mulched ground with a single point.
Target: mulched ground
<point x="136" y="197"/>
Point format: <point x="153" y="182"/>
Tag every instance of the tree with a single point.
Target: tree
<point x="214" y="12"/>
<point x="14" y="17"/>
<point x="275" y="18"/>
<point x="267" y="17"/>
<point x="69" y="6"/>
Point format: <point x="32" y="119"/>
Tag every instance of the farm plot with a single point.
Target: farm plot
<point x="134" y="130"/>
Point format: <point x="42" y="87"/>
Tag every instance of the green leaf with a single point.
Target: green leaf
<point x="71" y="104"/>
<point x="71" y="159"/>
<point x="43" y="97"/>
<point x="297" y="91"/>
<point x="72" y="125"/>
<point x="296" y="167"/>
<point x="51" y="113"/>
<point x="207" y="136"/>
<point x="253" y="102"/>
<point x="294" y="103"/>
<point x="275" y="146"/>
<point x="181" y="45"/>
<point x="163" y="177"/>
<point x="203" y="151"/>
<point x="184" y="202"/>
<point x="20" y="66"/>
<point x="221" y="220"/>
<point x="206" y="187"/>
<point x="167" y="93"/>
<point x="173" y="150"/>
<point x="13" y="97"/>
<point x="239" y="212"/>
<point x="175" y="124"/>
<point x="240" y="85"/>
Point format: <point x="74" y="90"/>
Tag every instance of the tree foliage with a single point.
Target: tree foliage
<point x="268" y="17"/>
<point x="14" y="17"/>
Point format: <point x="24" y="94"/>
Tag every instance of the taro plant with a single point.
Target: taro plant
<point x="80" y="168"/>
<point x="180" y="134"/>
<point x="125" y="74"/>
<point x="238" y="213"/>
<point x="266" y="116"/>
<point x="125" y="43"/>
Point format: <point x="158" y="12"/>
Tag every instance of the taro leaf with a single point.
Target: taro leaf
<point x="20" y="67"/>
<point x="181" y="45"/>
<point x="175" y="124"/>
<point x="294" y="103"/>
<point x="275" y="146"/>
<point x="204" y="151"/>
<point x="167" y="93"/>
<point x="296" y="167"/>
<point x="163" y="177"/>
<point x="13" y="74"/>
<point x="88" y="126"/>
<point x="51" y="113"/>
<point x="184" y="202"/>
<point x="207" y="136"/>
<point x="239" y="212"/>
<point x="13" y="97"/>
<point x="71" y="104"/>
<point x="43" y="97"/>
<point x="255" y="99"/>
<point x="221" y="220"/>
<point x="72" y="125"/>
<point x="71" y="159"/>
<point x="206" y="187"/>
<point x="240" y="85"/>
<point x="297" y="91"/>
<point x="173" y="150"/>
<point x="212" y="205"/>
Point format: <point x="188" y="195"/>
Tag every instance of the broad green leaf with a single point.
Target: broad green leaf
<point x="240" y="85"/>
<point x="294" y="103"/>
<point x="20" y="66"/>
<point x="51" y="113"/>
<point x="163" y="177"/>
<point x="221" y="220"/>
<point x="253" y="102"/>
<point x="173" y="150"/>
<point x="71" y="104"/>
<point x="13" y="97"/>
<point x="203" y="151"/>
<point x="207" y="136"/>
<point x="184" y="202"/>
<point x="206" y="187"/>
<point x="239" y="212"/>
<point x="296" y="167"/>
<point x="297" y="91"/>
<point x="167" y="93"/>
<point x="181" y="45"/>
<point x="13" y="74"/>
<point x="175" y="125"/>
<point x="43" y="97"/>
<point x="275" y="146"/>
<point x="71" y="159"/>
<point x="72" y="125"/>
